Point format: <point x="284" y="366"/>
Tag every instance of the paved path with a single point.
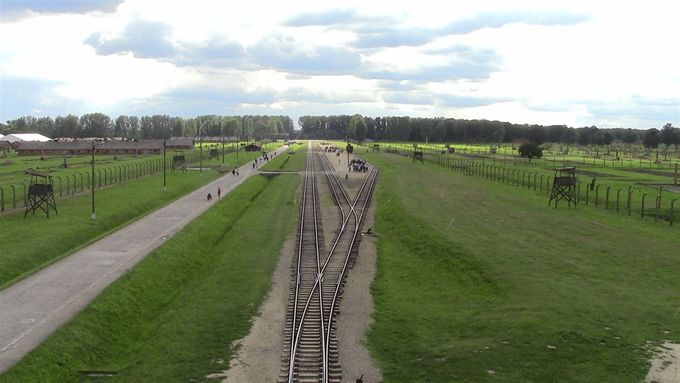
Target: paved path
<point x="33" y="308"/>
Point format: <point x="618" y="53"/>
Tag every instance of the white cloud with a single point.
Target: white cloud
<point x="528" y="61"/>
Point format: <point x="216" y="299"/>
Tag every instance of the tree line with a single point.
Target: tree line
<point x="156" y="126"/>
<point x="475" y="131"/>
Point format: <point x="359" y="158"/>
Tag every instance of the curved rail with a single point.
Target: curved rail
<point x="331" y="272"/>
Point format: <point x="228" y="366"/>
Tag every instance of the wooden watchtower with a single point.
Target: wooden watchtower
<point x="564" y="186"/>
<point x="417" y="153"/>
<point x="179" y="162"/>
<point x="40" y="194"/>
<point x="214" y="153"/>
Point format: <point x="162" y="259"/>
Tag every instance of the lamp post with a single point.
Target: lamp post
<point x="200" y="139"/>
<point x="165" y="179"/>
<point x="94" y="214"/>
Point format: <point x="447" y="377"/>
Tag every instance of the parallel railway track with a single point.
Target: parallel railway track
<point x="310" y="346"/>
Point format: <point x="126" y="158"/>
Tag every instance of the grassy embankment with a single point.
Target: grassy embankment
<point x="480" y="281"/>
<point x="174" y="317"/>
<point x="31" y="243"/>
<point x="293" y="159"/>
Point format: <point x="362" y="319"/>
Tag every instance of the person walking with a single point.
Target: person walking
<point x="209" y="197"/>
<point x="219" y="193"/>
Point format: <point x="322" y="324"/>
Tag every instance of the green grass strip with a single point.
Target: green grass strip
<point x="174" y="317"/>
<point x="293" y="159"/>
<point x="31" y="243"/>
<point x="479" y="281"/>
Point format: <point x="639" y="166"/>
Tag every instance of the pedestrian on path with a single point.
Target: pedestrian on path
<point x="209" y="197"/>
<point x="219" y="193"/>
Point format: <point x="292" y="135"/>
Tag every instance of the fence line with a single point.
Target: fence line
<point x="523" y="179"/>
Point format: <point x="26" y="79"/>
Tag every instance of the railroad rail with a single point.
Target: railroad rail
<point x="310" y="346"/>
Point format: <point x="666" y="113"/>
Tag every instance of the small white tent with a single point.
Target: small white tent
<point x="24" y="137"/>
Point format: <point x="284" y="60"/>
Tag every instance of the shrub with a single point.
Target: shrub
<point x="530" y="150"/>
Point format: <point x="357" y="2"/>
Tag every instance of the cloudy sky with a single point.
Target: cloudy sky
<point x="604" y="63"/>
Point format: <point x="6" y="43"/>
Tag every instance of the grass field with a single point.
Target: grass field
<point x="292" y="159"/>
<point x="110" y="170"/>
<point x="174" y="317"/>
<point x="30" y="243"/>
<point x="480" y="281"/>
<point x="616" y="155"/>
<point x="641" y="181"/>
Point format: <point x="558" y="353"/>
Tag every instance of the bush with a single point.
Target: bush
<point x="530" y="151"/>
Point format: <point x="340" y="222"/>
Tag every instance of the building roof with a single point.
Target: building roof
<point x="87" y="144"/>
<point x="105" y="145"/>
<point x="25" y="137"/>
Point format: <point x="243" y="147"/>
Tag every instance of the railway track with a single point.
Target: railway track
<point x="310" y="345"/>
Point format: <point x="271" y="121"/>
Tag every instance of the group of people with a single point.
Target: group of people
<point x="263" y="158"/>
<point x="357" y="165"/>
<point x="219" y="194"/>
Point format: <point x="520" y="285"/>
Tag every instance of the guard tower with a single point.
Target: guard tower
<point x="40" y="194"/>
<point x="179" y="162"/>
<point x="417" y="153"/>
<point x="564" y="186"/>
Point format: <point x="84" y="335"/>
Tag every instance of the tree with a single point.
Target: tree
<point x="439" y="131"/>
<point x="45" y="126"/>
<point x="630" y="136"/>
<point x="651" y="138"/>
<point x="670" y="135"/>
<point x="231" y="127"/>
<point x="68" y="126"/>
<point x="134" y="127"/>
<point x="530" y="150"/>
<point x="537" y="135"/>
<point x="95" y="125"/>
<point x="23" y="124"/>
<point x="121" y="126"/>
<point x="357" y="128"/>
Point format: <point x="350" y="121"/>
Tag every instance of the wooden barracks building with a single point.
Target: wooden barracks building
<point x="32" y="148"/>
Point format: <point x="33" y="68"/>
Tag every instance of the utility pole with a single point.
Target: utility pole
<point x="165" y="180"/>
<point x="200" y="140"/>
<point x="94" y="215"/>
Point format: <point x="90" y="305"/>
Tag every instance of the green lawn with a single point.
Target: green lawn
<point x="293" y="159"/>
<point x="173" y="318"/>
<point x="31" y="243"/>
<point x="110" y="170"/>
<point x="480" y="281"/>
<point x="649" y="182"/>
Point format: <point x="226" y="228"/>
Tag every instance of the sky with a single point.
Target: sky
<point x="578" y="63"/>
